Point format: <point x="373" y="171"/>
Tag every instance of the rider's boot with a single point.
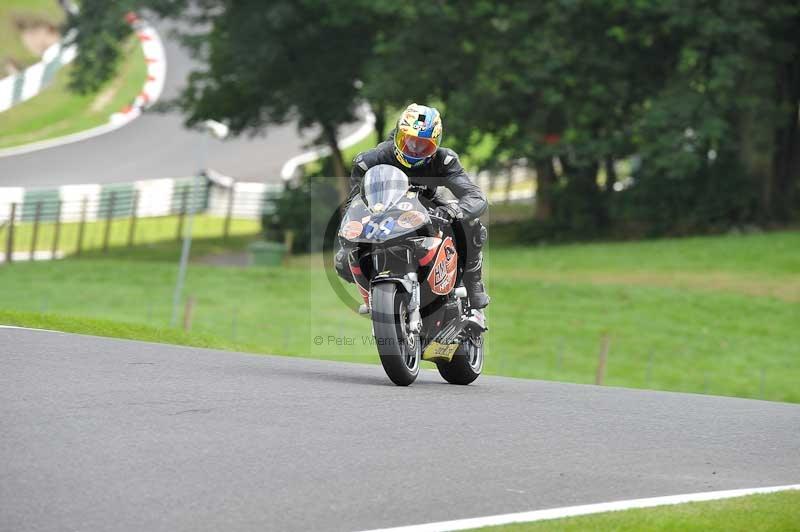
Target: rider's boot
<point x="476" y="238"/>
<point x="478" y="298"/>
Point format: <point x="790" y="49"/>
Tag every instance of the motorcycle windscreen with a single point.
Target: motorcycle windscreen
<point x="384" y="185"/>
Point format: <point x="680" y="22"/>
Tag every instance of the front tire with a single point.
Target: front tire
<point x="398" y="348"/>
<point x="467" y="362"/>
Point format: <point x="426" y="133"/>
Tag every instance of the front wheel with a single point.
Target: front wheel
<point x="399" y="348"/>
<point x="467" y="362"/>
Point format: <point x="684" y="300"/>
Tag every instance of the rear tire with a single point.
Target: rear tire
<point x="467" y="362"/>
<point x="398" y="349"/>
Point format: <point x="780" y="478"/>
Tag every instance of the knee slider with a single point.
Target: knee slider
<point x="479" y="235"/>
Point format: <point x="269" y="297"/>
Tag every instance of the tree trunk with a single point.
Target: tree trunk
<point x="584" y="183"/>
<point x="566" y="166"/>
<point x="339" y="169"/>
<point x="380" y="120"/>
<point x="611" y="174"/>
<point x="756" y="147"/>
<point x="545" y="180"/>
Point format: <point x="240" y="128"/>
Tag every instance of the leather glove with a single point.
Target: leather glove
<point x="449" y="212"/>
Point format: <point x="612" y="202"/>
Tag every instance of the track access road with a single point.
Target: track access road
<point x="104" y="434"/>
<point x="157" y="145"/>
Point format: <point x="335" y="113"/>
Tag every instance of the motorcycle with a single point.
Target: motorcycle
<point x="407" y="264"/>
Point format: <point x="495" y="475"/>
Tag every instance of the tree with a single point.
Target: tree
<point x="557" y="79"/>
<point x="267" y="64"/>
<point x="724" y="127"/>
<point x="704" y="94"/>
<point x="101" y="27"/>
<point x="100" y="31"/>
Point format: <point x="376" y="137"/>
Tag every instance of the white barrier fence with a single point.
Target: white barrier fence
<point x="144" y="199"/>
<point x="25" y="85"/>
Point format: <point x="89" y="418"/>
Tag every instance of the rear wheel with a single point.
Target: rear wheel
<point x="399" y="349"/>
<point x="467" y="362"/>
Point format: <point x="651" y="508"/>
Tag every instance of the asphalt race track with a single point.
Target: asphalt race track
<point x="156" y="145"/>
<point x="103" y="434"/>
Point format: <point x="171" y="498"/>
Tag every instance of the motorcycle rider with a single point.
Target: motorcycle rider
<point x="414" y="147"/>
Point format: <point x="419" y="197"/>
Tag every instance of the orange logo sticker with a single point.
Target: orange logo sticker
<point x="352" y="229"/>
<point x="411" y="219"/>
<point x="442" y="277"/>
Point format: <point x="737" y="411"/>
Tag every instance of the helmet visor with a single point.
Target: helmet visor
<point x="413" y="146"/>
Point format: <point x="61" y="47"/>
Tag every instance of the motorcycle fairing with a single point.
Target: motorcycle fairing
<point x="442" y="277"/>
<point x="362" y="226"/>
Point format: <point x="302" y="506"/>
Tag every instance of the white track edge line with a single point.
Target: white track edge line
<point x="289" y="167"/>
<point x="30" y="329"/>
<point x="120" y="339"/>
<point x="586" y="509"/>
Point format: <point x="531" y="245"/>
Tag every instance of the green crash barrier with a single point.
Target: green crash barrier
<point x="266" y="253"/>
<point x="44" y="199"/>
<point x="123" y="194"/>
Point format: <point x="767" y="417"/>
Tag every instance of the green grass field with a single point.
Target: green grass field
<point x="13" y="14"/>
<point x="56" y="111"/>
<point x="148" y="233"/>
<point x="714" y="315"/>
<point x="776" y="512"/>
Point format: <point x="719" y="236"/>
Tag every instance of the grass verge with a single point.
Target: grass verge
<point x="155" y="237"/>
<point x="57" y="111"/>
<point x="769" y="512"/>
<point x="551" y="309"/>
<point x="117" y="329"/>
<point x="14" y="14"/>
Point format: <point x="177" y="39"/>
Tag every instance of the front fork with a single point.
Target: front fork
<point x="414" y="316"/>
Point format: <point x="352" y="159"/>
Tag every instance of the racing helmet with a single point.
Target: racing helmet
<point x="418" y="135"/>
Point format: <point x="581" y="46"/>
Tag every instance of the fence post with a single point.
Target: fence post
<point x="82" y="225"/>
<point x="56" y="230"/>
<point x="602" y="359"/>
<point x="188" y="309"/>
<point x="229" y="213"/>
<point x="132" y="226"/>
<point x="35" y="236"/>
<point x="182" y="215"/>
<point x="109" y="218"/>
<point x="10" y="239"/>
